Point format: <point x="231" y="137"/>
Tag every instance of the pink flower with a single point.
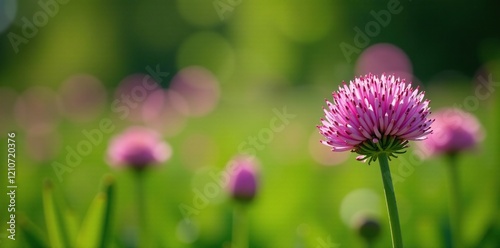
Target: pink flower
<point x="242" y="184"/>
<point x="373" y="115"/>
<point x="138" y="148"/>
<point x="454" y="131"/>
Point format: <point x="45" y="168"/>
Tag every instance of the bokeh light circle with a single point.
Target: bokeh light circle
<point x="322" y="154"/>
<point x="42" y="145"/>
<point x="360" y="201"/>
<point x="153" y="105"/>
<point x="38" y="107"/>
<point x="210" y="50"/>
<point x="161" y="112"/>
<point x="304" y="21"/>
<point x="198" y="12"/>
<point x="131" y="95"/>
<point x="83" y="97"/>
<point x="8" y="11"/>
<point x="198" y="87"/>
<point x="384" y="58"/>
<point x="8" y="98"/>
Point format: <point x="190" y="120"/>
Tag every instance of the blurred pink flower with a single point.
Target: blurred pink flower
<point x="8" y="98"/>
<point x="384" y="58"/>
<point x="132" y="94"/>
<point x="373" y="115"/>
<point x="138" y="147"/>
<point x="454" y="131"/>
<point x="83" y="97"/>
<point x="199" y="90"/>
<point x="242" y="184"/>
<point x="38" y="108"/>
<point x="160" y="112"/>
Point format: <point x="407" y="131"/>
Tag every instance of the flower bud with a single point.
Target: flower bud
<point x="368" y="229"/>
<point x="454" y="131"/>
<point x="243" y="182"/>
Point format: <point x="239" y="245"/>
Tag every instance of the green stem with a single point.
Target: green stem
<point x="240" y="232"/>
<point x="390" y="197"/>
<point x="455" y="211"/>
<point x="141" y="208"/>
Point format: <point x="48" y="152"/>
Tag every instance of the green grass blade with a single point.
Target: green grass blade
<point x="54" y="227"/>
<point x="92" y="226"/>
<point x="95" y="228"/>
<point x="32" y="234"/>
<point x="109" y="189"/>
<point x="72" y="224"/>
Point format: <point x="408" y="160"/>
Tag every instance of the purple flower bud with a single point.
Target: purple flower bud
<point x="243" y="182"/>
<point x="454" y="131"/>
<point x="138" y="148"/>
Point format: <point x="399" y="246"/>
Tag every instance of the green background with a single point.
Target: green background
<point x="266" y="54"/>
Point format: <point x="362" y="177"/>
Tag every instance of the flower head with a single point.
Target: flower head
<point x="375" y="115"/>
<point x="454" y="131"/>
<point x="368" y="228"/>
<point x="242" y="184"/>
<point x="138" y="148"/>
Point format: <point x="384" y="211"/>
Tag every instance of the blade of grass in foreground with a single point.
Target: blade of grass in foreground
<point x="57" y="237"/>
<point x="92" y="226"/>
<point x="96" y="226"/>
<point x="109" y="189"/>
<point x="33" y="235"/>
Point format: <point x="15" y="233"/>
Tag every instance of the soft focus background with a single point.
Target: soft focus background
<point x="225" y="70"/>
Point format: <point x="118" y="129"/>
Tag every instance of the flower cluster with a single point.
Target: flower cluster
<point x="372" y="115"/>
